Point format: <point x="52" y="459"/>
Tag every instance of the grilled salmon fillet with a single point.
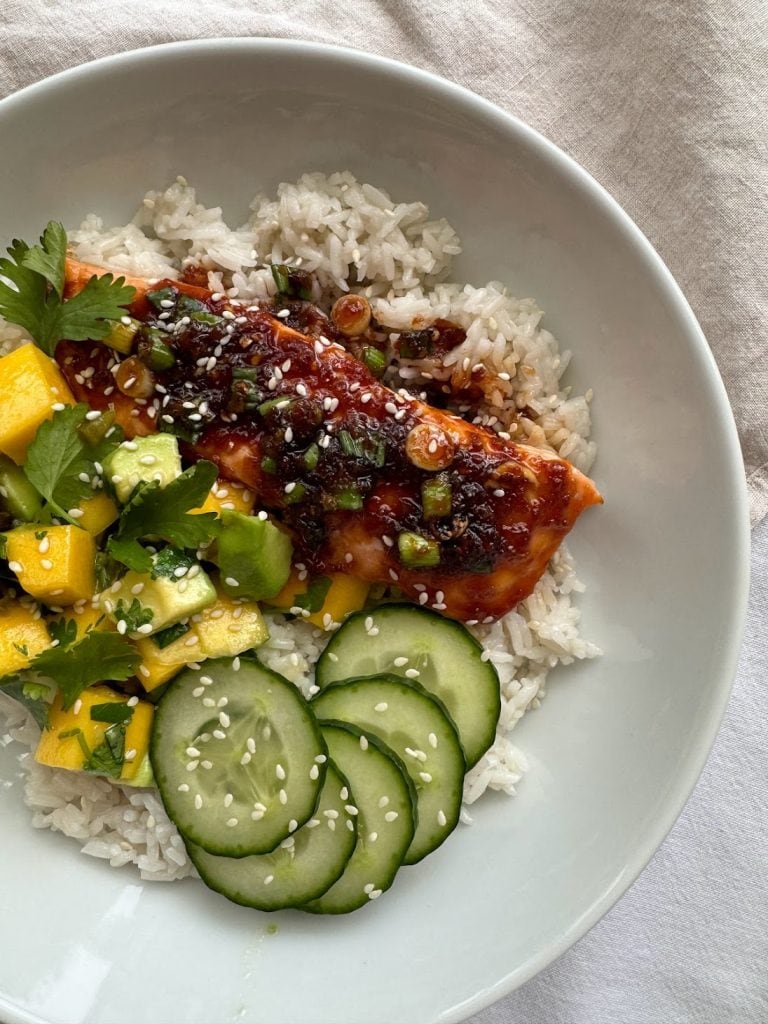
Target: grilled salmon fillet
<point x="369" y="481"/>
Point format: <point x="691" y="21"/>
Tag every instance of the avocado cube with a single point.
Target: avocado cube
<point x="230" y="627"/>
<point x="141" y="461"/>
<point x="176" y="588"/>
<point x="254" y="556"/>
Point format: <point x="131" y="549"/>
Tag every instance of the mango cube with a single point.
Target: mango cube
<point x="23" y="635"/>
<point x="98" y="513"/>
<point x="159" y="664"/>
<point x="345" y="595"/>
<point x="73" y="735"/>
<point x="55" y="564"/>
<point x="227" y="496"/>
<point x="230" y="627"/>
<point x="30" y="384"/>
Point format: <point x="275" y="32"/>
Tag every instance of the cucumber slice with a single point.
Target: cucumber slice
<point x="237" y="756"/>
<point x="381" y="785"/>
<point x="444" y="653"/>
<point x="301" y="868"/>
<point x="411" y="722"/>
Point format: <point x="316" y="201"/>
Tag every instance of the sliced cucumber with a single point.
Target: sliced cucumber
<point x="301" y="868"/>
<point x="413" y="724"/>
<point x="443" y="654"/>
<point x="238" y="757"/>
<point x="380" y="785"/>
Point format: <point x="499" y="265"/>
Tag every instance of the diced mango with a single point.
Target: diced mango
<point x="226" y="495"/>
<point x="230" y="627"/>
<point x="30" y="384"/>
<point x="55" y="564"/>
<point x="72" y="735"/>
<point x="99" y="512"/>
<point x="346" y="594"/>
<point x="294" y="587"/>
<point x="159" y="664"/>
<point x="23" y="635"/>
<point x="86" y="619"/>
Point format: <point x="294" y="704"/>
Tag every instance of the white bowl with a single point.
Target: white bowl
<point x="619" y="743"/>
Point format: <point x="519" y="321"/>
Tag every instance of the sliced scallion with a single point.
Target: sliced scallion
<point x="436" y="497"/>
<point x="312" y="456"/>
<point x="375" y="360"/>
<point x="348" y="498"/>
<point x="418" y="552"/>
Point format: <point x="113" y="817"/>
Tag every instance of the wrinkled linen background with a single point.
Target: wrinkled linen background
<point x="665" y="103"/>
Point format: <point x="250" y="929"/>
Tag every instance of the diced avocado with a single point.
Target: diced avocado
<point x="18" y="495"/>
<point x="254" y="556"/>
<point x="176" y="588"/>
<point x="143" y="778"/>
<point x="147" y="458"/>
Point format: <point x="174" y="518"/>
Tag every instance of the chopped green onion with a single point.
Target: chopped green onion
<point x="269" y="464"/>
<point x="348" y="498"/>
<point x="312" y="456"/>
<point x="350" y="445"/>
<point x="313" y="598"/>
<point x="375" y="360"/>
<point x="296" y="494"/>
<point x="245" y="373"/>
<point x="436" y="497"/>
<point x="185" y="304"/>
<point x="418" y="552"/>
<point x="121" y="336"/>
<point x="277" y="404"/>
<point x="153" y="351"/>
<point x="94" y="431"/>
<point x="280" y="277"/>
<point x="370" y="449"/>
<point x="292" y="282"/>
<point x="157" y="298"/>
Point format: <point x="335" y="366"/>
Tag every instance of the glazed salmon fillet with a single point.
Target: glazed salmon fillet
<point x="369" y="481"/>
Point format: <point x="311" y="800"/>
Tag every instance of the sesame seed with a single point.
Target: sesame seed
<point x="283" y="797"/>
<point x="183" y="787"/>
<point x="331" y="824"/>
<point x="375" y="894"/>
<point x="232" y="822"/>
<point x="269" y="879"/>
<point x="16" y="567"/>
<point x="77" y="706"/>
<point x="236" y="666"/>
<point x="381" y="706"/>
<point x="412" y="673"/>
<point x="46" y="563"/>
<point x="251" y="744"/>
<point x="372" y="837"/>
<point x="145" y="629"/>
<point x="314" y="772"/>
<point x="218" y="734"/>
<point x="224" y="719"/>
<point x="257" y="815"/>
<point x="192" y="765"/>
<point x="383" y="801"/>
<point x="209" y="702"/>
<point x="321" y="759"/>
<point x="122" y="627"/>
<point x="425" y="776"/>
<point x="137" y="588"/>
<point x="266" y="732"/>
<point x="441" y="819"/>
<point x="351" y="809"/>
<point x="432" y="740"/>
<point x="192" y="752"/>
<point x="293" y="825"/>
<point x="363" y="742"/>
<point x="399" y="662"/>
<point x="280" y="772"/>
<point x="198" y="801"/>
<point x="132" y="702"/>
<point x="391" y="816"/>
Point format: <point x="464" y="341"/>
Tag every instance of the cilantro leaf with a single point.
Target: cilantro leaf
<point x="63" y="630"/>
<point x="47" y="259"/>
<point x="164" y="512"/>
<point x="134" y="615"/>
<point x="109" y="757"/>
<point x="113" y="711"/>
<point x="32" y="289"/>
<point x="95" y="658"/>
<point x="58" y="458"/>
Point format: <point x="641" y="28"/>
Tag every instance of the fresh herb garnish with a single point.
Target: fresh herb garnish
<point x="113" y="711"/>
<point x="109" y="757"/>
<point x="168" y="636"/>
<point x="32" y="294"/>
<point x="166" y="562"/>
<point x="60" y="464"/>
<point x="290" y="281"/>
<point x="133" y="615"/>
<point x="370" y="449"/>
<point x="22" y="649"/>
<point x="63" y="630"/>
<point x="98" y="656"/>
<point x="164" y="512"/>
<point x="313" y="599"/>
<point x="31" y="695"/>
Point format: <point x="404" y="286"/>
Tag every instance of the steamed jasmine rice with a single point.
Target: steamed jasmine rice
<point x="349" y="235"/>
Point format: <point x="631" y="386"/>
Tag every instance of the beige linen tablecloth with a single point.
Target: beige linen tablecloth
<point x="665" y="103"/>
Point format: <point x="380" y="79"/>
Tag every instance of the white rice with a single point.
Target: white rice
<point x="350" y="235"/>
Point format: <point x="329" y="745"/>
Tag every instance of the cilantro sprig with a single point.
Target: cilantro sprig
<point x="32" y="294"/>
<point x="165" y="512"/>
<point x="94" y="659"/>
<point x="60" y="463"/>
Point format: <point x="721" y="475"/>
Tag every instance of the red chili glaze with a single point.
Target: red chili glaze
<point x="339" y="458"/>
